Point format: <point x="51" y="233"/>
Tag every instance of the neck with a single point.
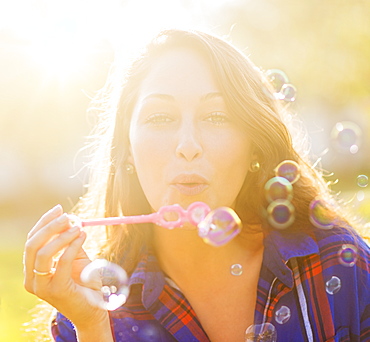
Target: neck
<point x="183" y="255"/>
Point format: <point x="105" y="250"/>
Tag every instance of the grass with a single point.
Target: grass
<point x="15" y="300"/>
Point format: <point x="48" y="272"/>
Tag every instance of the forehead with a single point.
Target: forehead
<point x="180" y="70"/>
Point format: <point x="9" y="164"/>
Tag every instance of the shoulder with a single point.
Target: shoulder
<point x="339" y="239"/>
<point x="345" y="255"/>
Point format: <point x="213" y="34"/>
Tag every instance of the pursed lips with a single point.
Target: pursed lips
<point x="190" y="184"/>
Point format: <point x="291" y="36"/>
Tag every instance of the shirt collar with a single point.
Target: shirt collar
<point x="148" y="274"/>
<point x="280" y="246"/>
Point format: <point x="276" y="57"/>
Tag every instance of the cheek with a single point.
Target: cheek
<point x="142" y="145"/>
<point x="232" y="152"/>
<point x="149" y="153"/>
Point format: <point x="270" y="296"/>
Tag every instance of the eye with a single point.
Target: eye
<point x="158" y="119"/>
<point x="217" y="118"/>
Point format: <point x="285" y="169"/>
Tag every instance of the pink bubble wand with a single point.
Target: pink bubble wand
<point x="215" y="227"/>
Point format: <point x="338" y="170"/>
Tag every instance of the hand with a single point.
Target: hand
<point x="52" y="235"/>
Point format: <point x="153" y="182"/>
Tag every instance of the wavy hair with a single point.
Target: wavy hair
<point x="249" y="98"/>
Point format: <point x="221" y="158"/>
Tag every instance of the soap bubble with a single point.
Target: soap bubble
<point x="110" y="279"/>
<point x="282" y="315"/>
<point x="333" y="285"/>
<point x="277" y="78"/>
<point x="278" y="188"/>
<point x="362" y="180"/>
<point x="264" y="332"/>
<point x="288" y="92"/>
<point x="346" y="137"/>
<point x="347" y="255"/>
<point x="280" y="214"/>
<point x="320" y="216"/>
<point x="220" y="226"/>
<point x="236" y="269"/>
<point x="289" y="170"/>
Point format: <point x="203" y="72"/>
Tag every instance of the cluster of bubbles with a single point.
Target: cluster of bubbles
<point x="110" y="281"/>
<point x="346" y="138"/>
<point x="282" y="89"/>
<point x="279" y="194"/>
<point x="323" y="218"/>
<point x="362" y="182"/>
<point x="347" y="256"/>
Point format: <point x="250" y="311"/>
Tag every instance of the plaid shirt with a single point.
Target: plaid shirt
<point x="294" y="295"/>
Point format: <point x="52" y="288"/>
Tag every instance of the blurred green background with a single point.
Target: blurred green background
<point x="56" y="54"/>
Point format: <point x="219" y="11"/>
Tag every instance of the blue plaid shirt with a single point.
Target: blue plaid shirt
<point x="305" y="293"/>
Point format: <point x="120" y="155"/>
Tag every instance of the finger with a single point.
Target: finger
<point x="40" y="238"/>
<point x="44" y="258"/>
<point x="65" y="263"/>
<point x="45" y="219"/>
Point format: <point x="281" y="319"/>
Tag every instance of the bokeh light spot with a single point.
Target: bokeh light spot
<point x="346" y="136"/>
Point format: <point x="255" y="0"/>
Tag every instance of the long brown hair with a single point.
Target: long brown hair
<point x="248" y="95"/>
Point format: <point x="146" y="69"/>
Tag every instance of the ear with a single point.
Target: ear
<point x="253" y="154"/>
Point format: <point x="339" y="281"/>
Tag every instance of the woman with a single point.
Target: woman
<point x="196" y="121"/>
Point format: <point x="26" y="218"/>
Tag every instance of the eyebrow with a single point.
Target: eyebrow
<point x="211" y="96"/>
<point x="170" y="98"/>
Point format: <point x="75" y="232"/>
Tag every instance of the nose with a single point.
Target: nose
<point x="189" y="146"/>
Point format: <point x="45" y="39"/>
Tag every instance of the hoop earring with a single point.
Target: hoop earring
<point x="254" y="166"/>
<point x="130" y="169"/>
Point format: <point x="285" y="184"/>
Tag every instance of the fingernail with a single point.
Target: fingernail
<point x="56" y="209"/>
<point x="62" y="219"/>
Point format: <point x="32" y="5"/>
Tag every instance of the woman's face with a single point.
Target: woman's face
<point x="185" y="145"/>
